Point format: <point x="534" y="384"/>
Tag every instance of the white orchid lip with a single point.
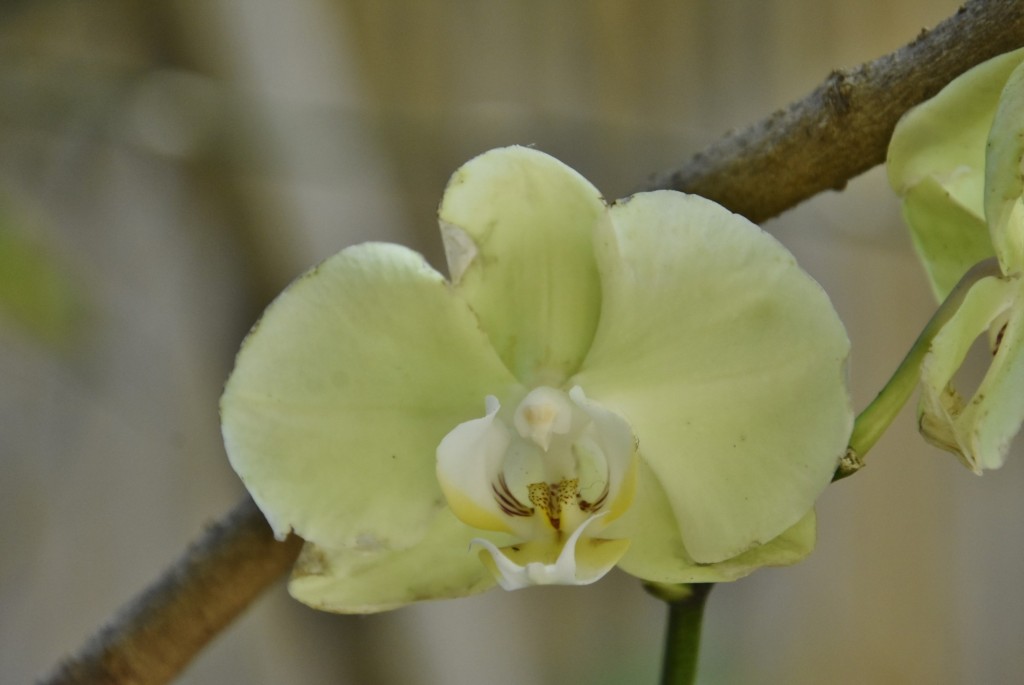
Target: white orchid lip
<point x="565" y="463"/>
<point x="564" y="571"/>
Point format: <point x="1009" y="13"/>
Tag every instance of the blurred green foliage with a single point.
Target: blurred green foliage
<point x="35" y="291"/>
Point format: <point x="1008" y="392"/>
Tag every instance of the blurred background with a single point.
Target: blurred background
<point x="167" y="167"/>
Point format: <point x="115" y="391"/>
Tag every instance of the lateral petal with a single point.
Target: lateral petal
<point x="729" y="363"/>
<point x="342" y="392"/>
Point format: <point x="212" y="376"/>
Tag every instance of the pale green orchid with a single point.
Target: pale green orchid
<point x="654" y="385"/>
<point x="956" y="161"/>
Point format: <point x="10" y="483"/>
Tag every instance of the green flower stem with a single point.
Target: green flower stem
<point x="875" y="419"/>
<point x="682" y="638"/>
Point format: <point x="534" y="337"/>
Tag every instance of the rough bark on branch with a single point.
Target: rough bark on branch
<point x="163" y="629"/>
<point x="843" y="127"/>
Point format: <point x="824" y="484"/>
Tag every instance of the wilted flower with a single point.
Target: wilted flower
<point x="654" y="384"/>
<point x="956" y="161"/>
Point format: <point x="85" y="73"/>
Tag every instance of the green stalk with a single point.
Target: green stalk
<point x="875" y="419"/>
<point x="682" y="637"/>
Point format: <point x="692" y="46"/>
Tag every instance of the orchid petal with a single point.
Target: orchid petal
<point x="944" y="140"/>
<point x="342" y="392"/>
<point x="944" y="137"/>
<point x="518" y="229"/>
<point x="979" y="430"/>
<point x="949" y="238"/>
<point x="729" y="363"/>
<point x="366" y="581"/>
<point x="1004" y="176"/>
<point x="657" y="554"/>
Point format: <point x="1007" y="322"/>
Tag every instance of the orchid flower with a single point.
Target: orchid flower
<point x="654" y="385"/>
<point x="956" y="161"/>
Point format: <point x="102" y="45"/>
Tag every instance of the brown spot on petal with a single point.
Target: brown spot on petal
<point x="999" y="339"/>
